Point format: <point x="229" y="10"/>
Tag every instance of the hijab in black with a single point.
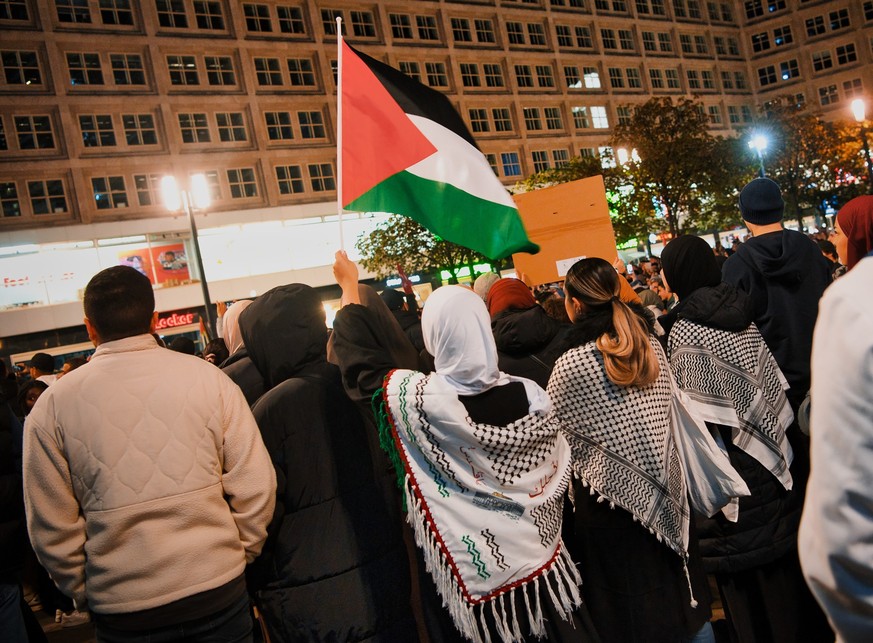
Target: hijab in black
<point x="688" y="264"/>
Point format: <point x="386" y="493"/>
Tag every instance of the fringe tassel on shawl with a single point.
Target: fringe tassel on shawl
<point x="469" y="618"/>
<point x="386" y="439"/>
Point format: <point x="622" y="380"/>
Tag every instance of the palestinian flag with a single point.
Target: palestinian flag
<point x="406" y="151"/>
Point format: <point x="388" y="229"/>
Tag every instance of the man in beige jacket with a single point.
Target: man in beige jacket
<point x="147" y="485"/>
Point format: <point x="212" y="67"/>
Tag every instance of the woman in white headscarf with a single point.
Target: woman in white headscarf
<point x="483" y="471"/>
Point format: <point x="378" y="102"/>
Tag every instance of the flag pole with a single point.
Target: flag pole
<point x="339" y="127"/>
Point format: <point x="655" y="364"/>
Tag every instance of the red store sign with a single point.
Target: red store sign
<point x="176" y="319"/>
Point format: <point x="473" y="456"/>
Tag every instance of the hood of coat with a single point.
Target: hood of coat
<point x="284" y="332"/>
<point x="523" y="331"/>
<point x="784" y="256"/>
<point x="722" y="307"/>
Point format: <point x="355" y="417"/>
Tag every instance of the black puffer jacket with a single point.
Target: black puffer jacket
<point x="770" y="516"/>
<point x="528" y="343"/>
<point x="334" y="567"/>
<point x="13" y="532"/>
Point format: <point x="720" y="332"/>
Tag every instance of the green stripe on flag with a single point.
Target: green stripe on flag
<point x="493" y="229"/>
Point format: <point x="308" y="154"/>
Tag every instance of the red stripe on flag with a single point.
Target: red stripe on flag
<point x="379" y="140"/>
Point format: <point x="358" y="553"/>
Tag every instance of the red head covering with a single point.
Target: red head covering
<point x="856" y="222"/>
<point x="509" y="293"/>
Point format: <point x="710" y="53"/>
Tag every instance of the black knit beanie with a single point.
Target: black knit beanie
<point x="761" y="202"/>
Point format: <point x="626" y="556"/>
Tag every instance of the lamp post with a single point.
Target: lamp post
<point x="759" y="144"/>
<point x="197" y="196"/>
<point x="859" y="109"/>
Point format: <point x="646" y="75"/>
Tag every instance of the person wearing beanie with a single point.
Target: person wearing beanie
<point x="484" y="283"/>
<point x="784" y="274"/>
<point x="42" y="368"/>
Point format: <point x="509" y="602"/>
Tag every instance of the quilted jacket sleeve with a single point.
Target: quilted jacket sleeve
<point x="54" y="521"/>
<point x="248" y="477"/>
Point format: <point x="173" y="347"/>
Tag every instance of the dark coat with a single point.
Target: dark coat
<point x="529" y="342"/>
<point x="770" y="516"/>
<point x="13" y="532"/>
<point x="334" y="567"/>
<point x="785" y="274"/>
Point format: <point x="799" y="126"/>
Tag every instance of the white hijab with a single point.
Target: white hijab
<point x="457" y="332"/>
<point x="230" y="324"/>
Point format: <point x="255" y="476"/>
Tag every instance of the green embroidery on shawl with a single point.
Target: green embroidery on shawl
<point x="386" y="439"/>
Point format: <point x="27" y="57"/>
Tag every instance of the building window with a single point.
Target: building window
<point x="321" y="177"/>
<point x="868" y="11"/>
<point x="761" y="42"/>
<point x="532" y="120"/>
<point x="767" y="75"/>
<point x="289" y="178"/>
<point x="545" y="76"/>
<point x="219" y="70"/>
<point x="257" y="18"/>
<point x="599" y="118"/>
<point x="685" y="44"/>
<point x="815" y="26"/>
<point x="479" y="120"/>
<point x="607" y="36"/>
<point x="311" y="125"/>
<point x="540" y="160"/>
<point x="616" y="78"/>
<point x="782" y="36"/>
<point x="624" y="115"/>
<point x="34" y="132"/>
<point x="672" y="76"/>
<point x="665" y="42"/>
<point x="363" y="25"/>
<point x="84" y="69"/>
<point x="14" y="10"/>
<point x="47" y="197"/>
<point x="268" y="72"/>
<point x="291" y="20"/>
<point x="846" y="54"/>
<point x="853" y="88"/>
<point x="754" y="8"/>
<point x="21" y="68"/>
<point x="828" y="95"/>
<point x="733" y="114"/>
<point x="194" y="128"/>
<point x="427" y="28"/>
<point x="626" y="40"/>
<point x="183" y="70"/>
<point x="9" y="202"/>
<point x="523" y="76"/>
<point x="502" y="119"/>
<point x="208" y="15"/>
<point x="583" y="38"/>
<point x="97" y="130"/>
<point x="279" y="127"/>
<point x="436" y="74"/>
<point x="171" y="13"/>
<point x="591" y="78"/>
<point x="515" y="33"/>
<point x="581" y="118"/>
<point x="708" y="79"/>
<point x="822" y="60"/>
<point x="714" y="112"/>
<point x="560" y="157"/>
<point x="242" y="183"/>
<point x="328" y="20"/>
<point x="401" y="25"/>
<point x="493" y="75"/>
<point x="554" y="120"/>
<point x="231" y="127"/>
<point x="511" y="164"/>
<point x="127" y="69"/>
<point x="484" y="31"/>
<point x="649" y="41"/>
<point x="693" y="79"/>
<point x="727" y="81"/>
<point x="109" y="192"/>
<point x="740" y="80"/>
<point x="789" y="70"/>
<point x="656" y="78"/>
<point x="301" y="72"/>
<point x="470" y="75"/>
<point x="461" y="30"/>
<point x="839" y="19"/>
<point x="411" y="69"/>
<point x="148" y="189"/>
<point x="536" y="35"/>
<point x="633" y="78"/>
<point x="139" y="129"/>
<point x="572" y="77"/>
<point x="73" y="11"/>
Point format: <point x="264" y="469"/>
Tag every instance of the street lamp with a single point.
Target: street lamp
<point x="759" y="144"/>
<point x="859" y="109"/>
<point x="197" y="196"/>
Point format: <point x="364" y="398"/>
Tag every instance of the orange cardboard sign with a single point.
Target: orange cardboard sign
<point x="569" y="221"/>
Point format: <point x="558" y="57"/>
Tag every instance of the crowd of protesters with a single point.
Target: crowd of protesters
<point x="580" y="461"/>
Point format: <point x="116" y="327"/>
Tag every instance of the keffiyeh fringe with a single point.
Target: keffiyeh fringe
<point x="560" y="579"/>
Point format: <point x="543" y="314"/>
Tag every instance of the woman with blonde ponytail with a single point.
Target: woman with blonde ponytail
<point x="612" y="395"/>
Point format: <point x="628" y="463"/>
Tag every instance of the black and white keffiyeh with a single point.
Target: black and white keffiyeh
<point x="731" y="378"/>
<point x="622" y="442"/>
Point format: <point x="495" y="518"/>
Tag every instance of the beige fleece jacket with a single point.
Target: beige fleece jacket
<point x="146" y="479"/>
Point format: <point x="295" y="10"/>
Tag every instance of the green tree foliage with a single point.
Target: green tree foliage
<point x="401" y="241"/>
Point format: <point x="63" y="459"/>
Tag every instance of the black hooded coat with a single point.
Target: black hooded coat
<point x="334" y="567"/>
<point x="529" y="342"/>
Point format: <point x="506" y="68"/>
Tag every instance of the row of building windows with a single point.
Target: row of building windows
<point x="789" y="70"/>
<point x="289" y="19"/>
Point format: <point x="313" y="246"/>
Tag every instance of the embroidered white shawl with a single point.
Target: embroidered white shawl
<point x="485" y="503"/>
